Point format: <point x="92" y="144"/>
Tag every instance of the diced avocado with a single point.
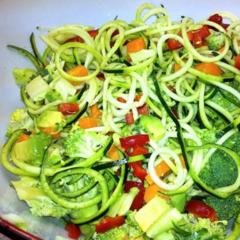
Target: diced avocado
<point x="165" y="236"/>
<point x="164" y="223"/>
<point x="64" y="88"/>
<point x="152" y="211"/>
<point x="178" y="201"/>
<point x="37" y="89"/>
<point x="31" y="150"/>
<point x="153" y="126"/>
<point x="49" y="119"/>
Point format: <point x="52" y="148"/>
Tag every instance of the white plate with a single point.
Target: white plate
<point x="19" y="18"/>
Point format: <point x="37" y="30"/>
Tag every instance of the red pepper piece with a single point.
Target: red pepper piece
<point x="129" y="118"/>
<point x="138" y="170"/>
<point x="108" y="223"/>
<point x="138" y="201"/>
<point x="216" y="18"/>
<point x="135" y="140"/>
<point x="138" y="150"/>
<point x="143" y="110"/>
<point x="237" y="61"/>
<point x="200" y="209"/>
<point x="73" y="231"/>
<point x="197" y="40"/>
<point x="68" y="108"/>
<point x="173" y="44"/>
<point x="204" y="31"/>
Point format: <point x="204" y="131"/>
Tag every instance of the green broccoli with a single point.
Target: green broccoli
<point x="129" y="230"/>
<point x="221" y="170"/>
<point x="216" y="41"/>
<point x="23" y="76"/>
<point x="53" y="95"/>
<point x="83" y="144"/>
<point x="193" y="228"/>
<point x="19" y="120"/>
<point x="226" y="208"/>
<point x="29" y="190"/>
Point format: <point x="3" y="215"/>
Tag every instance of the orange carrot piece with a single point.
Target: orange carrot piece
<point x="162" y="169"/>
<point x="209" y="68"/>
<point x="135" y="45"/>
<point x="78" y="71"/>
<point x="22" y="138"/>
<point x="150" y="192"/>
<point x="113" y="153"/>
<point x="95" y="112"/>
<point x="88" y="122"/>
<point x="51" y="131"/>
<point x="177" y="67"/>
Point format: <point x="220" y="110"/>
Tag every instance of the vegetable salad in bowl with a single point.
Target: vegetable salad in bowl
<point x="131" y="130"/>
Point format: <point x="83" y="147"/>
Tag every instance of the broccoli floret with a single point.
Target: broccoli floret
<point x="129" y="230"/>
<point x="52" y="95"/>
<point x="19" y="120"/>
<point x="193" y="228"/>
<point x="216" y="41"/>
<point x="221" y="170"/>
<point x="226" y="208"/>
<point x="83" y="144"/>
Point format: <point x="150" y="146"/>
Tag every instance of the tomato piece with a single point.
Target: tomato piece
<point x="73" y="231"/>
<point x="173" y="44"/>
<point x="225" y="25"/>
<point x="216" y="18"/>
<point x="138" y="201"/>
<point x="120" y="99"/>
<point x="143" y="110"/>
<point x="133" y="141"/>
<point x="129" y="118"/>
<point x="201" y="209"/>
<point x="93" y="33"/>
<point x="68" y="108"/>
<point x="101" y="76"/>
<point x="108" y="223"/>
<point x="237" y="61"/>
<point x="138" y="170"/>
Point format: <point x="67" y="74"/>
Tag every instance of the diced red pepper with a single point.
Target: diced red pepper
<point x="101" y="76"/>
<point x="237" y="61"/>
<point x="73" y="231"/>
<point x="108" y="223"/>
<point x="135" y="140"/>
<point x="68" y="108"/>
<point x="216" y="18"/>
<point x="204" y="31"/>
<point x="138" y="201"/>
<point x="121" y="99"/>
<point x="138" y="170"/>
<point x="173" y="44"/>
<point x="93" y="33"/>
<point x="201" y="209"/>
<point x="138" y="150"/>
<point x="225" y="25"/>
<point x="143" y="110"/>
<point x="197" y="40"/>
<point x="129" y="118"/>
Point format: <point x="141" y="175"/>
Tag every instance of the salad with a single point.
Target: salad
<point x="131" y="130"/>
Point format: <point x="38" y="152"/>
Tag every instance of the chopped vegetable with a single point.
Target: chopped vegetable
<point x="135" y="45"/>
<point x="209" y="68"/>
<point x="108" y="223"/>
<point x="68" y="108"/>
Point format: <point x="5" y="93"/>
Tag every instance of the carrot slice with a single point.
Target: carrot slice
<point x="88" y="122"/>
<point x="78" y="71"/>
<point x="209" y="68"/>
<point x="95" y="112"/>
<point x="113" y="153"/>
<point x="22" y="138"/>
<point x="177" y="67"/>
<point x="51" y="131"/>
<point x="153" y="190"/>
<point x="135" y="45"/>
<point x="162" y="169"/>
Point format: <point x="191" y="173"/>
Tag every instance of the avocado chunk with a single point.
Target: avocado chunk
<point x="153" y="126"/>
<point x="49" y="119"/>
<point x="164" y="223"/>
<point x="31" y="151"/>
<point x="152" y="211"/>
<point x="178" y="201"/>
